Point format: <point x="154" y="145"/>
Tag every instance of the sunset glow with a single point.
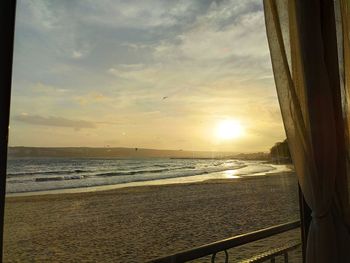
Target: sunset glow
<point x="229" y="129"/>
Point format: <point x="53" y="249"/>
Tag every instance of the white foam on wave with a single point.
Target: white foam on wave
<point x="178" y="172"/>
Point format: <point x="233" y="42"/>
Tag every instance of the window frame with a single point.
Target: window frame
<point x="7" y="29"/>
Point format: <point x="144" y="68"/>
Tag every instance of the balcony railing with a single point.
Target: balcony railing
<point x="224" y="245"/>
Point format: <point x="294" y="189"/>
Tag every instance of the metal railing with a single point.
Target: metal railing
<point x="273" y="253"/>
<point x="224" y="245"/>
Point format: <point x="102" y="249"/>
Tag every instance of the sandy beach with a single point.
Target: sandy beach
<point x="137" y="224"/>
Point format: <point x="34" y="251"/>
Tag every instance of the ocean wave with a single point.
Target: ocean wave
<point x="171" y="173"/>
<point x="58" y="178"/>
<point x="131" y="176"/>
<point x="146" y="171"/>
<point x="48" y="172"/>
<point x="68" y="182"/>
<point x="112" y="172"/>
<point x="131" y="172"/>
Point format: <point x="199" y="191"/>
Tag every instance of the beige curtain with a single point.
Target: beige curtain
<point x="313" y="92"/>
<point x="344" y="39"/>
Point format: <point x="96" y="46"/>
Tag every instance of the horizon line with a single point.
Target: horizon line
<point x="139" y="148"/>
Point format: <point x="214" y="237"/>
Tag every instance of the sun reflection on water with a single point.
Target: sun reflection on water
<point x="231" y="174"/>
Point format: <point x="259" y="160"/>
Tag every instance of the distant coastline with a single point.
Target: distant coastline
<point x="121" y="152"/>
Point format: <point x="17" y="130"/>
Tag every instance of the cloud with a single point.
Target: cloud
<point x="123" y="70"/>
<point x="41" y="88"/>
<point x="91" y="97"/>
<point x="77" y="54"/>
<point x="54" y="121"/>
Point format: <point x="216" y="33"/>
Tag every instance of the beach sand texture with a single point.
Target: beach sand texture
<point x="140" y="223"/>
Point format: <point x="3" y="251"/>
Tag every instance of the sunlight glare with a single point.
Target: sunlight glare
<point x="229" y="129"/>
<point x="231" y="174"/>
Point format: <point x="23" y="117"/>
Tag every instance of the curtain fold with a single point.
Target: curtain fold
<point x="304" y="54"/>
<point x="344" y="25"/>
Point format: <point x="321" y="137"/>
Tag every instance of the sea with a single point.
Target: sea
<point x="45" y="175"/>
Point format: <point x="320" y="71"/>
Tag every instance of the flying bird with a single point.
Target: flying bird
<point x="175" y="92"/>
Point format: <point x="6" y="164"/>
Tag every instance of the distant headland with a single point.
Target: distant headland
<point x="121" y="152"/>
<point x="278" y="153"/>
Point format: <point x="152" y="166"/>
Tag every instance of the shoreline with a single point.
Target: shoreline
<point x="169" y="181"/>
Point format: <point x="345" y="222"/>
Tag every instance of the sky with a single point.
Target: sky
<point x="150" y="74"/>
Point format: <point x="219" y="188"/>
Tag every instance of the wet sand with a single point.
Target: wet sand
<point x="140" y="223"/>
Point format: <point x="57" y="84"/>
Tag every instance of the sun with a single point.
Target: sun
<point x="229" y="129"/>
